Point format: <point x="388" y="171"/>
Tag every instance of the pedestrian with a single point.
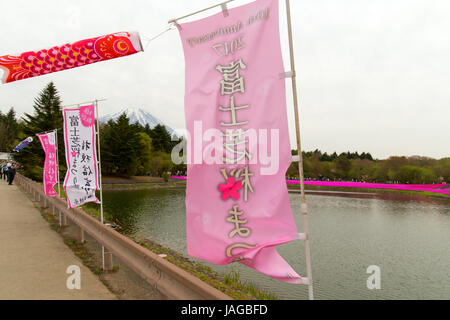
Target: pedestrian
<point x="5" y="171"/>
<point x="8" y="166"/>
<point x="11" y="174"/>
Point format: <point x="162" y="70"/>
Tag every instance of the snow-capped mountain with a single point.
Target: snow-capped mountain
<point x="137" y="116"/>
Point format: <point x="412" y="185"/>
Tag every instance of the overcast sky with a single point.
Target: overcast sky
<point x="373" y="76"/>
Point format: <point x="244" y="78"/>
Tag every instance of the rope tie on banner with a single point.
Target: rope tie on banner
<point x="148" y="40"/>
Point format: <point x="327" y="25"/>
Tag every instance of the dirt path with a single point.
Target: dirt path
<point x="34" y="259"/>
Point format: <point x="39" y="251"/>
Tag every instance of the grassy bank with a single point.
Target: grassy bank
<point x="140" y="183"/>
<point x="377" y="191"/>
<point x="146" y="183"/>
<point x="229" y="283"/>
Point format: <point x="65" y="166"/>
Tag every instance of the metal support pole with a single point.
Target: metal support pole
<point x="62" y="219"/>
<point x="199" y="11"/>
<point x="99" y="165"/>
<point x="57" y="162"/>
<point x="108" y="260"/>
<point x="299" y="149"/>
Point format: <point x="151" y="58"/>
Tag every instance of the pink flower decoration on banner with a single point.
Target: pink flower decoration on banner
<point x="87" y="115"/>
<point x="74" y="154"/>
<point x="230" y="189"/>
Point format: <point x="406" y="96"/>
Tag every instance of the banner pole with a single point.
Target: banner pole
<point x="57" y="161"/>
<point x="299" y="150"/>
<point x="199" y="11"/>
<point x="99" y="165"/>
<point x="80" y="103"/>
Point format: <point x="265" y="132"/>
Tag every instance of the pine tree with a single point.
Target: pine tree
<point x="9" y="129"/>
<point x="120" y="147"/>
<point x="47" y="116"/>
<point x="161" y="139"/>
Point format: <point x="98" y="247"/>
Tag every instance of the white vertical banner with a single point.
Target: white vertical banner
<point x="81" y="179"/>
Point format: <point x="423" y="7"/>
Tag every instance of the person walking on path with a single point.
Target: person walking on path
<point x="5" y="171"/>
<point x="11" y="173"/>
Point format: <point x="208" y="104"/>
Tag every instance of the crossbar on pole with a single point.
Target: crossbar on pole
<point x="77" y="104"/>
<point x="300" y="158"/>
<point x="46" y="131"/>
<point x="194" y="13"/>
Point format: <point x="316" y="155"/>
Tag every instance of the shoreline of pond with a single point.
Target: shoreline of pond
<point x="158" y="183"/>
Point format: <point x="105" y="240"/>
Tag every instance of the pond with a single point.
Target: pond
<point x="408" y="238"/>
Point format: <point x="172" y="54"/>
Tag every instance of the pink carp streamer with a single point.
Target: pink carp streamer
<point x="435" y="188"/>
<point x="70" y="55"/>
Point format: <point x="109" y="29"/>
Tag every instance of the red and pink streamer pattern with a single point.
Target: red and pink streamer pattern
<point x="68" y="56"/>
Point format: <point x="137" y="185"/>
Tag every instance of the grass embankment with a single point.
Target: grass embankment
<point x="377" y="191"/>
<point x="142" y="183"/>
<point x="139" y="183"/>
<point x="228" y="283"/>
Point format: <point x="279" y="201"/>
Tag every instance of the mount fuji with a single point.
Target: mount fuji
<point x="137" y="115"/>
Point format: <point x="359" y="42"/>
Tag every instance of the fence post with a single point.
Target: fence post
<point x="80" y="235"/>
<point x="62" y="219"/>
<point x="108" y="260"/>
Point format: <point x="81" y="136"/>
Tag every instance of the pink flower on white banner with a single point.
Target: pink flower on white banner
<point x="87" y="115"/>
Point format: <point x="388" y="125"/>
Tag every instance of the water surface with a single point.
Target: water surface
<point x="408" y="238"/>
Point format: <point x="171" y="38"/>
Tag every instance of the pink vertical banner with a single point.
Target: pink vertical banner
<point x="50" y="173"/>
<point x="237" y="203"/>
<point x="81" y="179"/>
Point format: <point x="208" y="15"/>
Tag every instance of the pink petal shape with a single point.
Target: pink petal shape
<point x="225" y="195"/>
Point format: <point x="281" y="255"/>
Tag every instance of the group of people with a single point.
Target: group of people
<point x="8" y="171"/>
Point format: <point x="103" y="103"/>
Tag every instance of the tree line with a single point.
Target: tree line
<point x="126" y="149"/>
<point x="362" y="167"/>
<point x="129" y="149"/>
